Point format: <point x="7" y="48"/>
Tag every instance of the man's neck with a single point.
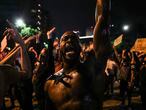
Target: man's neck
<point x="70" y="66"/>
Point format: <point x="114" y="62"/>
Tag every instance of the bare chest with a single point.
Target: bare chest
<point x="70" y="87"/>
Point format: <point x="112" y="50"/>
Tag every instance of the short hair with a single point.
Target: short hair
<point x="70" y="33"/>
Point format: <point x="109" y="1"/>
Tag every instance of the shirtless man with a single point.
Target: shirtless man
<point x="79" y="86"/>
<point x="8" y="74"/>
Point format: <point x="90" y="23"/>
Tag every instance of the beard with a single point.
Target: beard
<point x="70" y="52"/>
<point x="70" y="56"/>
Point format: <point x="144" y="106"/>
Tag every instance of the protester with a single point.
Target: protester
<point x="80" y="86"/>
<point x="44" y="69"/>
<point x="111" y="75"/>
<point x="143" y="81"/>
<point x="9" y="75"/>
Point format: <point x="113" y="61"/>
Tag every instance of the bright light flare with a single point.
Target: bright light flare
<point x="126" y="27"/>
<point x="20" y="23"/>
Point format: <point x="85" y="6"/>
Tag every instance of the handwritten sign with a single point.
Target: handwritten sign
<point x="140" y="45"/>
<point x="3" y="43"/>
<point x="118" y="40"/>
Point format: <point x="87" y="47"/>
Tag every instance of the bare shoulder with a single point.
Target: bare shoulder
<point x="61" y="81"/>
<point x="49" y="81"/>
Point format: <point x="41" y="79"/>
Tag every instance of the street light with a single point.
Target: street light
<point x="126" y="27"/>
<point x="20" y="23"/>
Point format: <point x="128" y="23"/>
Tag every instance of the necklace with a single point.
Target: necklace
<point x="58" y="77"/>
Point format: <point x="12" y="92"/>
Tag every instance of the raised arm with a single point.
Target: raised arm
<point x="118" y="57"/>
<point x="15" y="50"/>
<point x="101" y="30"/>
<point x="25" y="61"/>
<point x="50" y="51"/>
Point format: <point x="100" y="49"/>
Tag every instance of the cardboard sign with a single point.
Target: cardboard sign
<point x="140" y="45"/>
<point x="118" y="40"/>
<point x="3" y="43"/>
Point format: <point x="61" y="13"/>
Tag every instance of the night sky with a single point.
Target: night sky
<point x="78" y="14"/>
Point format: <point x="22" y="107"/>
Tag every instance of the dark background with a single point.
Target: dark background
<point x="76" y="14"/>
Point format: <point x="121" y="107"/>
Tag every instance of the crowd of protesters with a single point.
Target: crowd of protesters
<point x="64" y="74"/>
<point x="126" y="67"/>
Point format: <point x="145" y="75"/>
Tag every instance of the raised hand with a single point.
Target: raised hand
<point x="50" y="32"/>
<point x="13" y="34"/>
